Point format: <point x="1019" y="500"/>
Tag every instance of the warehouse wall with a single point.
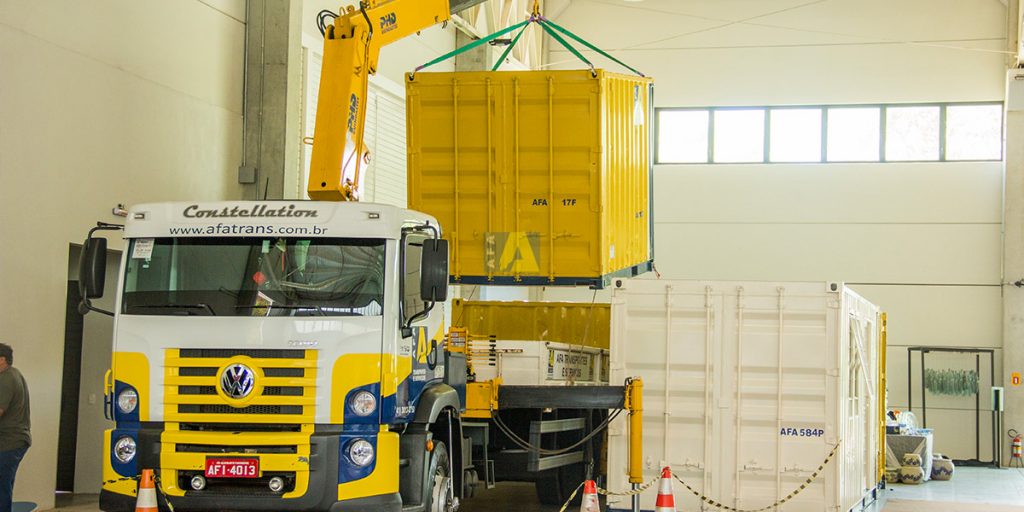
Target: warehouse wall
<point x="920" y="240"/>
<point x="122" y="101"/>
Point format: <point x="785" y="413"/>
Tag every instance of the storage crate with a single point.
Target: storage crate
<point x="538" y="177"/>
<point x="748" y="387"/>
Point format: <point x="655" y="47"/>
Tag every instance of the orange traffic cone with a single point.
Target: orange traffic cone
<point x="666" y="501"/>
<point x="590" y="503"/>
<point x="146" y="502"/>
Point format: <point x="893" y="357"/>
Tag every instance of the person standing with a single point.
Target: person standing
<point x="15" y="425"/>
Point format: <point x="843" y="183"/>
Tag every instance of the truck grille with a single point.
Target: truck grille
<point x="267" y="390"/>
<point x="238" y="427"/>
<point x="247" y="450"/>
<point x="269" y="372"/>
<point x="284" y="386"/>
<point x="227" y="353"/>
<point x="273" y="422"/>
<point x="227" y="409"/>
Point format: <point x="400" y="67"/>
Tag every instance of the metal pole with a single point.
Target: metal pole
<point x="996" y="453"/>
<point x="995" y="446"/>
<point x="999" y="430"/>
<point x="977" y="409"/>
<point x="924" y="399"/>
<point x="910" y="381"/>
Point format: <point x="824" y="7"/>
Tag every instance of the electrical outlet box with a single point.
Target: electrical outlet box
<point x="247" y="174"/>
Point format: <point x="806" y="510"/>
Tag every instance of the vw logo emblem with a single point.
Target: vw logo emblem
<point x="237" y="381"/>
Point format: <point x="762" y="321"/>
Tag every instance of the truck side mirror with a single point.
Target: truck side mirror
<point x="434" y="271"/>
<point x="92" y="268"/>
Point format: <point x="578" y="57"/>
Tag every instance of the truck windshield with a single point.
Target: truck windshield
<point x="255" y="277"/>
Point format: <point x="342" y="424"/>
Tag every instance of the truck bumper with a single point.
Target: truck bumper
<point x="330" y="485"/>
<point x="114" y="502"/>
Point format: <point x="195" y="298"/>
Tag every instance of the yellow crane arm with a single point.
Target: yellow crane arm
<point x="351" y="50"/>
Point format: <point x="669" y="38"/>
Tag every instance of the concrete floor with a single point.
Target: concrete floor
<point x="971" y="490"/>
<point x="507" y="496"/>
<point x="77" y="502"/>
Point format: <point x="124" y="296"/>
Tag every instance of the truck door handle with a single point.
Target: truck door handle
<point x="433" y="354"/>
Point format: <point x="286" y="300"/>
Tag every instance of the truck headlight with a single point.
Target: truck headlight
<point x="124" y="450"/>
<point x="360" y="452"/>
<point x="363" y="403"/>
<point x="127" y="401"/>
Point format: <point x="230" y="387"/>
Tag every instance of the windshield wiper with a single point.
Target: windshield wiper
<point x="318" y="309"/>
<point x="186" y="307"/>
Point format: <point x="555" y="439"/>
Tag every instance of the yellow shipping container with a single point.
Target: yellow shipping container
<point x="572" y="323"/>
<point x="538" y="177"/>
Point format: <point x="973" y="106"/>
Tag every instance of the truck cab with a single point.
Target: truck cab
<point x="281" y="356"/>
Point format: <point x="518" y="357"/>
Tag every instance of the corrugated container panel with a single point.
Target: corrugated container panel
<point x="573" y="323"/>
<point x="747" y="389"/>
<point x="536" y="177"/>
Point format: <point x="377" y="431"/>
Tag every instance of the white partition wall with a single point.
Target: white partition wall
<point x="921" y="240"/>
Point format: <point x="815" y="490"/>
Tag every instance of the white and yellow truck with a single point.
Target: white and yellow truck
<point x="293" y="356"/>
<point x="281" y="356"/>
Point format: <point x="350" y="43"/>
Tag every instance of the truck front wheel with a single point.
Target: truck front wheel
<point x="442" y="492"/>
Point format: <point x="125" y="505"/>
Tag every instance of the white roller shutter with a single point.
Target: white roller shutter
<point x="385" y="176"/>
<point x="385" y="136"/>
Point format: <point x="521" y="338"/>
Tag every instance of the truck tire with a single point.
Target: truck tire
<point x="440" y="496"/>
<point x="471" y="482"/>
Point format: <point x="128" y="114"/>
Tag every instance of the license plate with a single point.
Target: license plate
<point x="232" y="468"/>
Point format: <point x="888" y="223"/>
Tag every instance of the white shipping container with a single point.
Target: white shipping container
<point x="538" y="363"/>
<point x="748" y="386"/>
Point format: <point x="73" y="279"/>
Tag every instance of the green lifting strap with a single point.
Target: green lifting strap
<point x="472" y="45"/>
<point x="508" y="50"/>
<point x="552" y="30"/>
<point x="545" y="22"/>
<point x="569" y="47"/>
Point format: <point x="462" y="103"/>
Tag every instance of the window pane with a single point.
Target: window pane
<point x="974" y="132"/>
<point x="854" y="134"/>
<point x="682" y="136"/>
<point x="912" y="133"/>
<point x="739" y="136"/>
<point x="256" y="276"/>
<point x="412" y="300"/>
<point x="796" y="135"/>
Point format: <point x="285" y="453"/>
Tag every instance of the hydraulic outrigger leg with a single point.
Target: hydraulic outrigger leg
<point x="635" y="406"/>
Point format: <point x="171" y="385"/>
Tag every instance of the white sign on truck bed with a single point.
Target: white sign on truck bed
<point x="539" y="363"/>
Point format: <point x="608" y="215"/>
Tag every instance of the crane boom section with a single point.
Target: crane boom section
<point x="351" y="51"/>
